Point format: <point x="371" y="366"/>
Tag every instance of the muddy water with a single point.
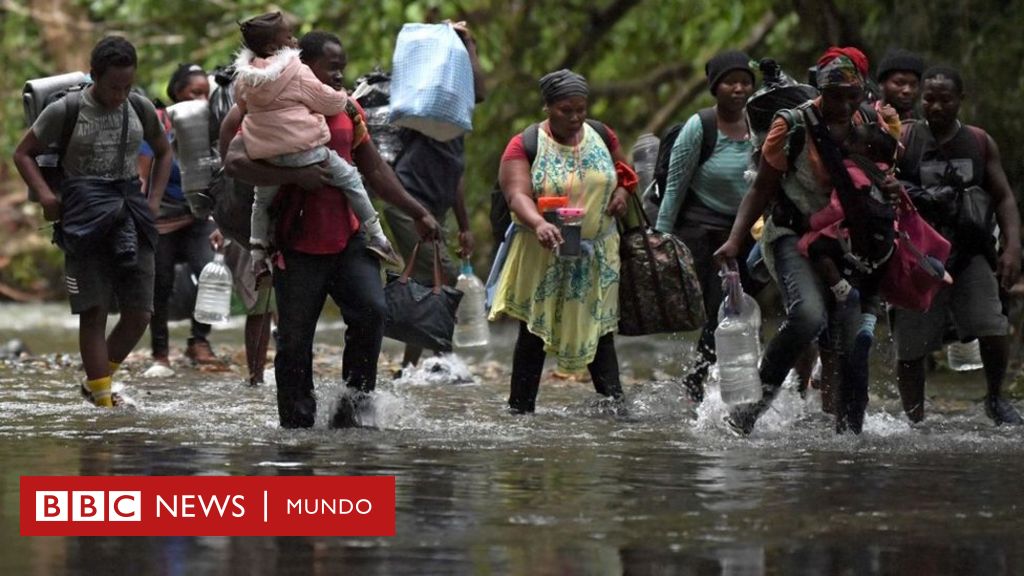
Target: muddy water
<point x="574" y="489"/>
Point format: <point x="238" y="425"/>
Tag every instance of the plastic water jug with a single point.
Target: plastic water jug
<point x="196" y="158"/>
<point x="645" y="155"/>
<point x="964" y="356"/>
<point x="471" y="328"/>
<point x="213" y="298"/>
<point x="737" y="342"/>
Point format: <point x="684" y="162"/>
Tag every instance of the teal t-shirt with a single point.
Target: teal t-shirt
<point x="718" y="183"/>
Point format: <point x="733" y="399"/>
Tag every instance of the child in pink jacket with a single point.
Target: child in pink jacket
<point x="285" y="105"/>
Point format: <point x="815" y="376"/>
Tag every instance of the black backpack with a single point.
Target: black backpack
<point x="501" y="216"/>
<point x="709" y="130"/>
<point x="232" y="199"/>
<point x="221" y="100"/>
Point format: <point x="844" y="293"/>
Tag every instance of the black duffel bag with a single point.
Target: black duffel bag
<point x="421" y="315"/>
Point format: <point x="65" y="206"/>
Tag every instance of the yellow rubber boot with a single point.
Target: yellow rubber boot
<point x="113" y="366"/>
<point x="100" y="390"/>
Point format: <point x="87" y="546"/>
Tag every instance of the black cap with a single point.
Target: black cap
<point x="725" y="62"/>
<point x="900" y="60"/>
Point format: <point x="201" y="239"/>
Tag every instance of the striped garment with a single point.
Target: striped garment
<point x="718" y="183"/>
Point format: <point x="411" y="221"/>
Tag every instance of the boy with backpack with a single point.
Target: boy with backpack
<point x="103" y="223"/>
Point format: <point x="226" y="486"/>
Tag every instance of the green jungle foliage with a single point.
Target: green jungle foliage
<point x="644" y="58"/>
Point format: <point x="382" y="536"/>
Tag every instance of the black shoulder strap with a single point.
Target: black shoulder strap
<point x="795" y="119"/>
<point x="709" y="130"/>
<point x="832" y="158"/>
<point x="530" y="137"/>
<point x="914" y="143"/>
<point x="530" y="142"/>
<point x="602" y="131"/>
<point x="139" y="106"/>
<point x="72" y="105"/>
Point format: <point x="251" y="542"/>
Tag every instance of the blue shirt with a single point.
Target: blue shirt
<point x="173" y="190"/>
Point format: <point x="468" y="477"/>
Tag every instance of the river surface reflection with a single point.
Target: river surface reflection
<point x="571" y="490"/>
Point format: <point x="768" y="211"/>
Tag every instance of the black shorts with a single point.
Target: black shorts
<point x="94" y="278"/>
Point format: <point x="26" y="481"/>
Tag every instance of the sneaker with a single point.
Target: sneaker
<point x="199" y="352"/>
<point x="161" y="368"/>
<point x="741" y="419"/>
<point x="1001" y="411"/>
<point x="115" y="398"/>
<point x="383" y="250"/>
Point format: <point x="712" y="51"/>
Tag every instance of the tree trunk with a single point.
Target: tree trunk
<point x="66" y="31"/>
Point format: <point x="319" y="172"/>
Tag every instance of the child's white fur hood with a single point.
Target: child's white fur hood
<point x="252" y="75"/>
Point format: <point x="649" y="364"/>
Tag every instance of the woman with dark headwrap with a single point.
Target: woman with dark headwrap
<point x="565" y="305"/>
<point x="794" y="181"/>
<point x="183" y="238"/>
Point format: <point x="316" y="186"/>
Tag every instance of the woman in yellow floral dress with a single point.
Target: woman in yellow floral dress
<point x="565" y="306"/>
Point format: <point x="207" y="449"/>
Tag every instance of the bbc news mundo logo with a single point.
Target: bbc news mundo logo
<point x="89" y="506"/>
<point x="207" y="506"/>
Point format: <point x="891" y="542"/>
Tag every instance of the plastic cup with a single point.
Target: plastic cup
<point x="549" y="205"/>
<point x="571" y="220"/>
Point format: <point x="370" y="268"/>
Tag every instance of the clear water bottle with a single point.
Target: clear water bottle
<point x="213" y="299"/>
<point x="645" y="156"/>
<point x="737" y="343"/>
<point x="471" y="328"/>
<point x="964" y="356"/>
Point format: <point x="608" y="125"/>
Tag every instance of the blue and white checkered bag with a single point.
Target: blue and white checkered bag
<point x="432" y="82"/>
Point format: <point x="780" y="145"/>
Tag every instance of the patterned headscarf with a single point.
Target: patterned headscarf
<point x="840" y="67"/>
<point x="563" y="84"/>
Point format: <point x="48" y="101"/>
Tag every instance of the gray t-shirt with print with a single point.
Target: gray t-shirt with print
<point x="94" y="145"/>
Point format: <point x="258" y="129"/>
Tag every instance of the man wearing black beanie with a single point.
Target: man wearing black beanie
<point x="899" y="76"/>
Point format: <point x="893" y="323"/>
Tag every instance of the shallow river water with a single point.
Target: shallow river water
<point x="574" y="489"/>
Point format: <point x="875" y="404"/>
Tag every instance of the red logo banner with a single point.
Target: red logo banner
<point x="207" y="505"/>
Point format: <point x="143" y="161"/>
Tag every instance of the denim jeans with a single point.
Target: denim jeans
<point x="352" y="279"/>
<point x="806" y="312"/>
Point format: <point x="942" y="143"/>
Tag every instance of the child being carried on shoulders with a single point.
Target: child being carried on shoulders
<point x="285" y="107"/>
